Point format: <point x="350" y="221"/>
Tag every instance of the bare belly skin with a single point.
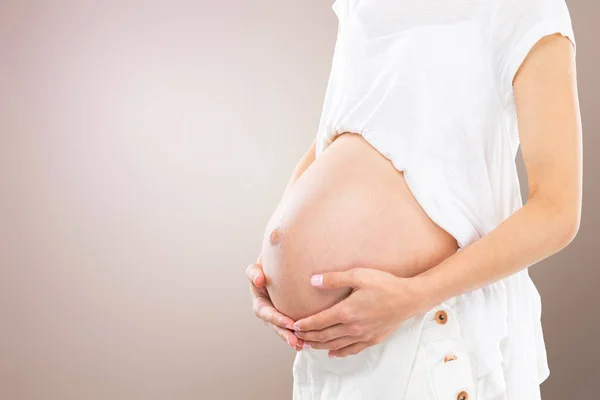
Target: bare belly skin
<point x="350" y="208"/>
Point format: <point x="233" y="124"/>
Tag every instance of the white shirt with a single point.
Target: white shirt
<point x="429" y="84"/>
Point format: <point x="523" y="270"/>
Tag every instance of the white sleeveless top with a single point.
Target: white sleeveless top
<point x="428" y="83"/>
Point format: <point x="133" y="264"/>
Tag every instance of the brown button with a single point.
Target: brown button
<point x="462" y="396"/>
<point x="441" y="317"/>
<point x="450" y="357"/>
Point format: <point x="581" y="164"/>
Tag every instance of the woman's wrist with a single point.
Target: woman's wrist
<point x="428" y="293"/>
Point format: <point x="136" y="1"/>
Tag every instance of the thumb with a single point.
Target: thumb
<point x="337" y="280"/>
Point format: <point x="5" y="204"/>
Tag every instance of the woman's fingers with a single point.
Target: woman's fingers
<point x="288" y="336"/>
<point x="335" y="344"/>
<point x="263" y="308"/>
<point x="329" y="317"/>
<point x="349" y="350"/>
<point x="327" y="334"/>
<point x="256" y="275"/>
<point x="337" y="280"/>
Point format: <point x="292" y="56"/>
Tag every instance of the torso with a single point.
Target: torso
<point x="350" y="208"/>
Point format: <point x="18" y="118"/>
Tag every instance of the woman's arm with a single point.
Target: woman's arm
<point x="549" y="124"/>
<point x="263" y="307"/>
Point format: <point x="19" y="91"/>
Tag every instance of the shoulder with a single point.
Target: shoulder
<point x="517" y="26"/>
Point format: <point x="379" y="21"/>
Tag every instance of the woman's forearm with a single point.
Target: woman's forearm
<point x="534" y="232"/>
<point x="551" y="148"/>
<point x="552" y="153"/>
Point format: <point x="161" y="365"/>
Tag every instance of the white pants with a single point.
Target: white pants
<point x="424" y="359"/>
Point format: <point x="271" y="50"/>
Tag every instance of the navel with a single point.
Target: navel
<point x="275" y="236"/>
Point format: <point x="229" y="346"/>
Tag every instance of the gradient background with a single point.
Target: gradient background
<point x="143" y="147"/>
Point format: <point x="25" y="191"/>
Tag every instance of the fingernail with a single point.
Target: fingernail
<point x="331" y="355"/>
<point x="308" y="346"/>
<point x="316" y="280"/>
<point x="297" y="327"/>
<point x="288" y="326"/>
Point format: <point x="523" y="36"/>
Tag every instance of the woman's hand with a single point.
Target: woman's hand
<point x="264" y="309"/>
<point x="378" y="304"/>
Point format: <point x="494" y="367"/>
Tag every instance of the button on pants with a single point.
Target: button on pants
<point x="424" y="359"/>
<point x="442" y="368"/>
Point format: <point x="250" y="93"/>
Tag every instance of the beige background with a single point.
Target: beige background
<point x="143" y="146"/>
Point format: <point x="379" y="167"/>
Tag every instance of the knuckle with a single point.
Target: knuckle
<point x="260" y="312"/>
<point x="355" y="330"/>
<point x="316" y="345"/>
<point x="335" y="346"/>
<point x="338" y="345"/>
<point x="249" y="270"/>
<point x="359" y="273"/>
<point x="376" y="339"/>
<point x="350" y="316"/>
<point x="353" y="273"/>
<point x="344" y="315"/>
<point x="256" y="308"/>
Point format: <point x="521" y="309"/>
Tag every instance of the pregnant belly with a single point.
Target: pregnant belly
<point x="350" y="208"/>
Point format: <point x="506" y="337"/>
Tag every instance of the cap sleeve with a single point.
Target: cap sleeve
<point x="343" y="9"/>
<point x="340" y="8"/>
<point x="517" y="25"/>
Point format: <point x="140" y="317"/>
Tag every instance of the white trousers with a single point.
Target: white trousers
<point x="424" y="359"/>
